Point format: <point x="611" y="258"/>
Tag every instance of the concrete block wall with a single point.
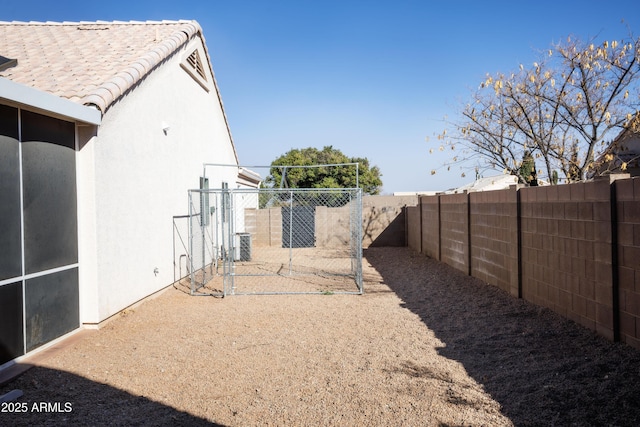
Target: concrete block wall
<point x="628" y="258"/>
<point x="573" y="248"/>
<point x="567" y="253"/>
<point x="494" y="238"/>
<point x="331" y="226"/>
<point x="414" y="240"/>
<point x="265" y="226"/>
<point x="454" y="231"/>
<point x="383" y="223"/>
<point x="430" y="216"/>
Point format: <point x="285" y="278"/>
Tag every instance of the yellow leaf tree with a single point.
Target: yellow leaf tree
<point x="564" y="110"/>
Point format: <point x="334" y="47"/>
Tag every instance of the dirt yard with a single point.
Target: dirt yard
<point x="424" y="346"/>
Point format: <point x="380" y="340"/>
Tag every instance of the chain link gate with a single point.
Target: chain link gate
<point x="275" y="241"/>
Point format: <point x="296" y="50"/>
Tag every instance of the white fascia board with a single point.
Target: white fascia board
<point x="43" y="101"/>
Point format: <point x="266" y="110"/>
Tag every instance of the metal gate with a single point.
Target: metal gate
<point x="275" y="241"/>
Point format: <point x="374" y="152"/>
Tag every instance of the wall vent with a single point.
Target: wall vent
<point x="193" y="65"/>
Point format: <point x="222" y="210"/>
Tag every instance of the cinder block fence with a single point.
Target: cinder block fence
<point x="573" y="248"/>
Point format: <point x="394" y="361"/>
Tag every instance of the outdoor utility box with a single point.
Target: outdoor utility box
<point x="242" y="246"/>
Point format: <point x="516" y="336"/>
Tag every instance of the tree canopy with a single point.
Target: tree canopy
<point x="564" y="111"/>
<point x="329" y="173"/>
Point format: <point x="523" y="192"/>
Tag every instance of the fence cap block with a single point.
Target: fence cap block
<point x="564" y="192"/>
<point x="552" y="193"/>
<point x="625" y="189"/>
<point x="577" y="191"/>
<point x="526" y="194"/>
<point x="612" y="177"/>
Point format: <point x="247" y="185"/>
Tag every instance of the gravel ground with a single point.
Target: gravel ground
<point x="425" y="346"/>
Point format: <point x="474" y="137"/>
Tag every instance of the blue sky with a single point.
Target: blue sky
<point x="371" y="78"/>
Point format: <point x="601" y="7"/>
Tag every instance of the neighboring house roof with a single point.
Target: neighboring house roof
<point x="625" y="149"/>
<point x="490" y="183"/>
<point x="415" y="193"/>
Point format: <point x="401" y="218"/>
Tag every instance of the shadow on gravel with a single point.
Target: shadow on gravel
<point x="542" y="368"/>
<point x="79" y="401"/>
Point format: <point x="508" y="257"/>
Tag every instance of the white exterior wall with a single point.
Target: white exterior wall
<point x="87" y="245"/>
<point x="136" y="178"/>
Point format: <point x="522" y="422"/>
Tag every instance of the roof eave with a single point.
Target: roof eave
<point x="43" y="101"/>
<point x="113" y="89"/>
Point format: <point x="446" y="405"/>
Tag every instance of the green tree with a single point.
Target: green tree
<point x="326" y="171"/>
<point x="527" y="169"/>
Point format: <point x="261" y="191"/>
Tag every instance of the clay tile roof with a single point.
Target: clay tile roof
<point x="88" y="62"/>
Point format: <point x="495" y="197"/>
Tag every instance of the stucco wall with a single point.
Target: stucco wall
<point x="134" y="178"/>
<point x="383" y="223"/>
<point x="384" y="220"/>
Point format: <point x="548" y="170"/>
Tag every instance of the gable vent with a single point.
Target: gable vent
<point x="193" y="65"/>
<point x="195" y="62"/>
